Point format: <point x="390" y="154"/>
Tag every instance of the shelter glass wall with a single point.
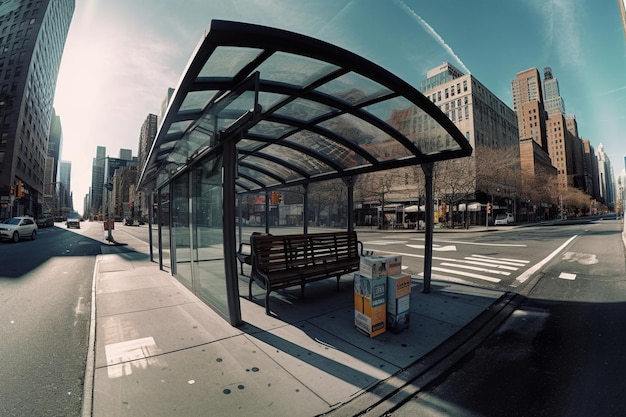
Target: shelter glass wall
<point x="197" y="234"/>
<point x="164" y="226"/>
<point x="181" y="230"/>
<point x="208" y="245"/>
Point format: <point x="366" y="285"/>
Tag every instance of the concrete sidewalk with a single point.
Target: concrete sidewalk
<point x="158" y="351"/>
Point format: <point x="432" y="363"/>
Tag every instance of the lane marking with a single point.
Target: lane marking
<point x="522" y="261"/>
<point x="475" y="268"/>
<point x="494" y="261"/>
<point x="512" y="245"/>
<point x="435" y="247"/>
<point x="567" y="275"/>
<point x="522" y="278"/>
<point x="493" y="265"/>
<point x="466" y="274"/>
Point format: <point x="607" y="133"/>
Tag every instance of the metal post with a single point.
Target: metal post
<point x="228" y="227"/>
<point x="350" y="184"/>
<point x="305" y="204"/>
<point x="429" y="224"/>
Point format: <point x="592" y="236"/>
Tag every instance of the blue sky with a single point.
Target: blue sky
<point x="121" y="56"/>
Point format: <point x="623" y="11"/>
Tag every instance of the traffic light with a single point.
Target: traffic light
<point x="276" y="197"/>
<point x="20" y="189"/>
<point x="488" y="208"/>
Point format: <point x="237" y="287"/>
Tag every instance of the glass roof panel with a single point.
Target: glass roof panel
<point x="354" y="88"/>
<point x="259" y="176"/>
<point x="226" y="61"/>
<point x="304" y="110"/>
<point x="269" y="100"/>
<point x="307" y="164"/>
<point x="178" y="128"/>
<point x="283" y="67"/>
<point x="331" y="149"/>
<point x="197" y="100"/>
<point x="245" y="183"/>
<point x="414" y="123"/>
<point x="268" y="165"/>
<point x="250" y="144"/>
<point x="369" y="137"/>
<point x="272" y="130"/>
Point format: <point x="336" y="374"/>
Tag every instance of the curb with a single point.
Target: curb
<point x="90" y="362"/>
<point x="390" y="394"/>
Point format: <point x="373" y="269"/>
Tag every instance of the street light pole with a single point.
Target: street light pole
<point x="109" y="188"/>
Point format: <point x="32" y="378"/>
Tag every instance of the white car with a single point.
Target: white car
<point x="504" y="218"/>
<point x="17" y="228"/>
<point x="73" y="221"/>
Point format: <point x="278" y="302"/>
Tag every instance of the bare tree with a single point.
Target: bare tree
<point x="455" y="181"/>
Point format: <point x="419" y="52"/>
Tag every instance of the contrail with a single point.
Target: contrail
<point x="429" y="29"/>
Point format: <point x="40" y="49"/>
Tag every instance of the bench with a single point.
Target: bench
<point x="291" y="260"/>
<point x="244" y="253"/>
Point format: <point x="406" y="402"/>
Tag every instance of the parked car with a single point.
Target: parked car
<point x="17" y="228"/>
<point x="73" y="221"/>
<point x="46" y="220"/>
<point x="504" y="218"/>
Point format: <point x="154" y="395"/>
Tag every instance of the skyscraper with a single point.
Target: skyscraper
<point x="552" y="100"/>
<point x="65" y="187"/>
<point x="32" y="37"/>
<point x="528" y="103"/>
<point x="97" y="180"/>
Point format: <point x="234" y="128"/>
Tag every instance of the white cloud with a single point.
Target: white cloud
<point x="433" y="33"/>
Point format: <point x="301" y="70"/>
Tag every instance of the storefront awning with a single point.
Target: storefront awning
<point x="304" y="111"/>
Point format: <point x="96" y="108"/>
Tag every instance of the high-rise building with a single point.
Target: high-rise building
<point x="605" y="174"/>
<point x="552" y="100"/>
<point x="32" y="37"/>
<point x="528" y="103"/>
<point x="97" y="181"/>
<point x="489" y="125"/>
<point x="590" y="164"/>
<point x="126" y="154"/>
<point x="65" y="187"/>
<point x="147" y="134"/>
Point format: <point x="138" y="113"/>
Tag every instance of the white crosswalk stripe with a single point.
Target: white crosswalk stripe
<point x="485" y="268"/>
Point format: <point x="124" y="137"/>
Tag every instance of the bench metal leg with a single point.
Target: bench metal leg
<point x="267" y="302"/>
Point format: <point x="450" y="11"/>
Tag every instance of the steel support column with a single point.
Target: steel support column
<point x="429" y="224"/>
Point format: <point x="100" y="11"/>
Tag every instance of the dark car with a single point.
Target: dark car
<point x="46" y="220"/>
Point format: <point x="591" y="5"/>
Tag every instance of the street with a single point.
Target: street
<point x="560" y="353"/>
<point x="45" y="288"/>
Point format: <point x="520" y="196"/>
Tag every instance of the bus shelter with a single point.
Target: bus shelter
<point x="259" y="109"/>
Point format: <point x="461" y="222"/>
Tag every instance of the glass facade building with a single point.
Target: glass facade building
<point x="32" y="38"/>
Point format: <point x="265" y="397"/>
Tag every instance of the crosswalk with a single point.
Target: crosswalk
<point x="485" y="268"/>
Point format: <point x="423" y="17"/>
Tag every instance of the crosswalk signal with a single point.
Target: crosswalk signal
<point x="275" y="199"/>
<point x="488" y="208"/>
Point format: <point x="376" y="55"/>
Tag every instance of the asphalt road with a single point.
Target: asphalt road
<point x="561" y="353"/>
<point x="45" y="294"/>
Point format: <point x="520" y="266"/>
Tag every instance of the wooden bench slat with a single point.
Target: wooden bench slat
<point x="291" y="260"/>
